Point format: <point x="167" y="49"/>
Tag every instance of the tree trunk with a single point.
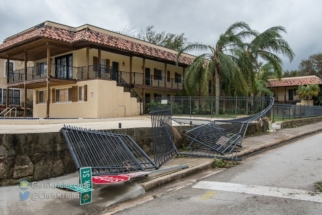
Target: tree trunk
<point x="217" y="89"/>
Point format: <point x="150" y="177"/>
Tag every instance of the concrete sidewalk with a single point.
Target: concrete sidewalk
<point x="105" y="196"/>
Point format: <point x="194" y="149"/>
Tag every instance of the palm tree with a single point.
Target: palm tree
<point x="306" y="92"/>
<point x="219" y="63"/>
<point x="261" y="78"/>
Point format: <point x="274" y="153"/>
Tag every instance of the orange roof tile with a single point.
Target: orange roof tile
<point x="294" y="81"/>
<point x="88" y="35"/>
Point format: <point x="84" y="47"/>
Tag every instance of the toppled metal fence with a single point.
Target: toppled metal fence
<point x="106" y="152"/>
<point x="218" y="138"/>
<point x="111" y="153"/>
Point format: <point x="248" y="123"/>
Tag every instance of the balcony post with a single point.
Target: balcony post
<point x="7" y="73"/>
<point x="25" y="86"/>
<point x="87" y="62"/>
<point x="99" y="63"/>
<point x="48" y="80"/>
<point x="131" y="58"/>
<point x="165" y="75"/>
<point x="143" y="68"/>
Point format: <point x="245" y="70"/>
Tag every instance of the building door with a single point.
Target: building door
<point x="147" y="98"/>
<point x="64" y="67"/>
<point x="290" y="95"/>
<point x="147" y="77"/>
<point x="115" y="71"/>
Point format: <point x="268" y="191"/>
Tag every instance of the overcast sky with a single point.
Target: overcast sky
<point x="200" y="20"/>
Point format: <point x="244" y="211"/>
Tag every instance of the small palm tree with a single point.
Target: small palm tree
<point x="306" y="92"/>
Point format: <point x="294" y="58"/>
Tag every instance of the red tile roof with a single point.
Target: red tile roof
<point x="294" y="81"/>
<point x="88" y="35"/>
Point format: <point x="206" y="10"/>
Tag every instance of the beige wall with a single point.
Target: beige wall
<point x="281" y="91"/>
<point x="102" y="97"/>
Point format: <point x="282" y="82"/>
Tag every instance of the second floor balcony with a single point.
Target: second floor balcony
<point x="62" y="72"/>
<point x="40" y="72"/>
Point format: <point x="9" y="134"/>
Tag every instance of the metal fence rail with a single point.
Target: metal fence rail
<point x="281" y="112"/>
<point x="204" y="106"/>
<point x="163" y="145"/>
<point x="105" y="152"/>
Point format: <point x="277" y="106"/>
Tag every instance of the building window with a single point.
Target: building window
<point x="81" y="93"/>
<point x="158" y="74"/>
<point x="11" y="68"/>
<point x="63" y="95"/>
<point x="168" y="76"/>
<point x="14" y="96"/>
<point x="42" y="96"/>
<point x="177" y="78"/>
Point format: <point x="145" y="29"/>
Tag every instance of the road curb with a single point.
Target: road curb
<point x="259" y="148"/>
<point x="149" y="185"/>
<point x="190" y="171"/>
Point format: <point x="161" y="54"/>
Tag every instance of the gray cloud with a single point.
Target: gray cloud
<point x="201" y="21"/>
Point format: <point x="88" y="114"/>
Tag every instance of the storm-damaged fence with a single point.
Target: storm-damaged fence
<point x="111" y="153"/>
<point x="218" y="138"/>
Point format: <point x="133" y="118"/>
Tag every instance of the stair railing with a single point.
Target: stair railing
<point x="114" y="110"/>
<point x="10" y="110"/>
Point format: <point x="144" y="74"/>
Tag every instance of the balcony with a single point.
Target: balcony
<point x="62" y="74"/>
<point x="40" y="72"/>
<point x="152" y="81"/>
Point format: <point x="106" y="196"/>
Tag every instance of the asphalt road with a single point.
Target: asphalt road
<point x="280" y="181"/>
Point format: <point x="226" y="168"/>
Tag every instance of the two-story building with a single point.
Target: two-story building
<point x="89" y="72"/>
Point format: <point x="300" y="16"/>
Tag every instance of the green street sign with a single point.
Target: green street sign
<point x="85" y="178"/>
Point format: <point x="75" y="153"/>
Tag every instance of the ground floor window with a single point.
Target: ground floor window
<point x="42" y="96"/>
<point x="14" y="96"/>
<point x="63" y="95"/>
<point x="81" y="93"/>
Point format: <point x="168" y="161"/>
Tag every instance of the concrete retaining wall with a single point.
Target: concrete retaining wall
<point x="37" y="156"/>
<point x="300" y="122"/>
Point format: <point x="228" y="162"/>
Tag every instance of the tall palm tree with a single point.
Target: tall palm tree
<point x="219" y="63"/>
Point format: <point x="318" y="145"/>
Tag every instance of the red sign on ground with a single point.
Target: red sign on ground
<point x="110" y="179"/>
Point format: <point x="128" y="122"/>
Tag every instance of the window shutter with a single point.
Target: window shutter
<point x="155" y="74"/>
<point x="53" y="95"/>
<point x="108" y="62"/>
<point x="37" y="96"/>
<point x="85" y="93"/>
<point x="168" y="76"/>
<point x="74" y="94"/>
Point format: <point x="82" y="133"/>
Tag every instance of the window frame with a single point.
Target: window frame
<point x="43" y="100"/>
<point x="5" y="67"/>
<point x="58" y="98"/>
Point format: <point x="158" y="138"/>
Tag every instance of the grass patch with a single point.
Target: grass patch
<point x="318" y="186"/>
<point x="220" y="163"/>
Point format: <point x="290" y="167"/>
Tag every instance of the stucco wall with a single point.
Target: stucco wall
<point x="102" y="97"/>
<point x="280" y="92"/>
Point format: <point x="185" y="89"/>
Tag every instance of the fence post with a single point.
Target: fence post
<point x="211" y="101"/>
<point x="190" y="106"/>
<point x="289" y="113"/>
<point x="236" y="107"/>
<point x="171" y="105"/>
